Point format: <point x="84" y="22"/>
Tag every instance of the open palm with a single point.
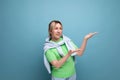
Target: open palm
<point x="90" y="35"/>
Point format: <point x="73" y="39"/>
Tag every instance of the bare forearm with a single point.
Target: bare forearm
<point x="82" y="47"/>
<point x="59" y="63"/>
<point x="63" y="60"/>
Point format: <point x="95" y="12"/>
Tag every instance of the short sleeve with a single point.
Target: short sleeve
<point x="50" y="55"/>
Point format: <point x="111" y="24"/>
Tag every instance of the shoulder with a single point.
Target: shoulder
<point x="51" y="51"/>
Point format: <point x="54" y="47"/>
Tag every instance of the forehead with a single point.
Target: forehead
<point x="58" y="25"/>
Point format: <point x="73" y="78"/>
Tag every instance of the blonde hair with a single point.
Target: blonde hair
<point x="52" y="25"/>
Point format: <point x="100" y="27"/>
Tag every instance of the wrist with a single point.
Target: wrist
<point x="69" y="54"/>
<point x="85" y="39"/>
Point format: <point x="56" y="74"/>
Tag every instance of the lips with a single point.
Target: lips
<point x="58" y="34"/>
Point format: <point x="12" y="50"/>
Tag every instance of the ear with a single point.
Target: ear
<point x="50" y="32"/>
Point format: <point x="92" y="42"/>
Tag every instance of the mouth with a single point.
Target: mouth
<point x="58" y="34"/>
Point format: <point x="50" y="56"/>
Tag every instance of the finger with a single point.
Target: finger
<point x="71" y="50"/>
<point x="77" y="50"/>
<point x="94" y="33"/>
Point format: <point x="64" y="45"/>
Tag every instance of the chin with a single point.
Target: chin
<point x="57" y="37"/>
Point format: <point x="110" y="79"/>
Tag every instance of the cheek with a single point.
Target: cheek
<point x="61" y="31"/>
<point x="54" y="31"/>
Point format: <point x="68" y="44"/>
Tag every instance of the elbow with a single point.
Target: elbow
<point x="58" y="67"/>
<point x="80" y="53"/>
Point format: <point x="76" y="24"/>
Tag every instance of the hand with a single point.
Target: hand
<point x="90" y="35"/>
<point x="73" y="51"/>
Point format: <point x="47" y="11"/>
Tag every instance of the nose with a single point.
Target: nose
<point x="59" y="30"/>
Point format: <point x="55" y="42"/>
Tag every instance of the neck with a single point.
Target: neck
<point x="55" y="40"/>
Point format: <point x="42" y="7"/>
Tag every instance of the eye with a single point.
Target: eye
<point x="60" y="28"/>
<point x="56" y="28"/>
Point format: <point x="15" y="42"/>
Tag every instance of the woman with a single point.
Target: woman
<point x="60" y="51"/>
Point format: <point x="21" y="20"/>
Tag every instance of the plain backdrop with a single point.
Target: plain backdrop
<point x="24" y="27"/>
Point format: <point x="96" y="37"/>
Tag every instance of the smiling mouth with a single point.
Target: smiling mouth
<point x="58" y="34"/>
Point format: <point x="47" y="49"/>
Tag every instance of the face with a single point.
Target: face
<point x="56" y="32"/>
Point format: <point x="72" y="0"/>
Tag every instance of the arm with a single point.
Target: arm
<point x="59" y="63"/>
<point x="84" y="43"/>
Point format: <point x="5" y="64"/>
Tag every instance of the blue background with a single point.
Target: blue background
<point x="24" y="26"/>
